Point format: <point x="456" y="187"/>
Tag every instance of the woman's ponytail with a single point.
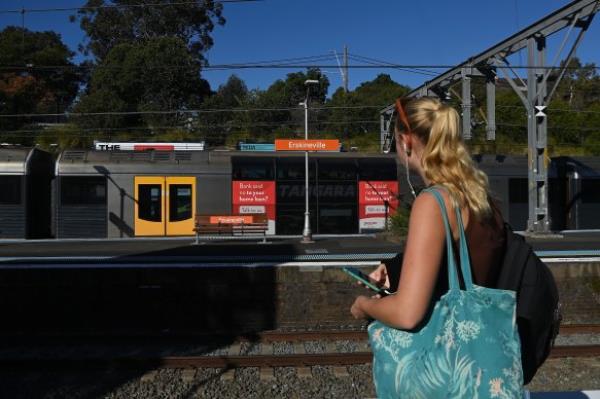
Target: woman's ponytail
<point x="446" y="160"/>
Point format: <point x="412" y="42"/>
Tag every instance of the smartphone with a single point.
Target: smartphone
<point x="366" y="280"/>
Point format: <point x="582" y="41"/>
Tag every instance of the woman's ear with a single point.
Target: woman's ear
<point x="407" y="143"/>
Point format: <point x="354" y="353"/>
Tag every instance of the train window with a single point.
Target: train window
<point x="590" y="191"/>
<point x="294" y="169"/>
<point x="336" y="219"/>
<point x="180" y="202"/>
<point x="330" y="169"/>
<point x="10" y="190"/>
<point x="383" y="169"/>
<point x="517" y="191"/>
<point x="83" y="190"/>
<point x="253" y="169"/>
<point x="150" y="202"/>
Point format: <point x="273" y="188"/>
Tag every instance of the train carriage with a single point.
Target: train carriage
<point x="110" y="194"/>
<point x="25" y="178"/>
<point x="117" y="194"/>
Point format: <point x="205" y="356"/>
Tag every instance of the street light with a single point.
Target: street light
<point x="306" y="232"/>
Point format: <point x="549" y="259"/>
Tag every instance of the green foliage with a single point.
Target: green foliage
<point x="591" y="128"/>
<point x="106" y="28"/>
<point x="263" y="114"/>
<point x="366" y="142"/>
<point x="63" y="136"/>
<point x="133" y="78"/>
<point x="175" y="135"/>
<point x="358" y="111"/>
<point x="34" y="90"/>
<point x="217" y="124"/>
<point x="399" y="221"/>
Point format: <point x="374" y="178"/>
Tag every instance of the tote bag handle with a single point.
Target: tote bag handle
<point x="465" y="264"/>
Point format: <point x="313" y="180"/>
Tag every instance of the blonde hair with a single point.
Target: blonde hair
<point x="446" y="160"/>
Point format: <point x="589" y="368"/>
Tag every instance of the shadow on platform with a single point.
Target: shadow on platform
<point x="97" y="305"/>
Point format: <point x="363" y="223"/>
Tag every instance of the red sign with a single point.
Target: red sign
<point x="372" y="196"/>
<point x="253" y="196"/>
<point x="159" y="147"/>
<point x="307" y="145"/>
<point x="231" y="219"/>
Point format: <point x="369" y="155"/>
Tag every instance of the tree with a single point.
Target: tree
<point x="215" y="126"/>
<point x="137" y="77"/>
<point x="27" y="85"/>
<point x="289" y="93"/>
<point x="359" y="109"/>
<point x="113" y="22"/>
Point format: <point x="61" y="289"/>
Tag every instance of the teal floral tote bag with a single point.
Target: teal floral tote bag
<point x="468" y="348"/>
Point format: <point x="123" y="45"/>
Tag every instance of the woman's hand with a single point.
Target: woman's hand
<point x="356" y="308"/>
<point x="380" y="275"/>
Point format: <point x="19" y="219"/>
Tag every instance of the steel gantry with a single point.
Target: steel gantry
<point x="533" y="92"/>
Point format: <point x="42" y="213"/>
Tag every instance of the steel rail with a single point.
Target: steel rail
<point x="298" y="335"/>
<point x="575" y="351"/>
<point x="207" y="361"/>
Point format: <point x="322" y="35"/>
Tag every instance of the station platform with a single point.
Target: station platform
<point x="180" y="251"/>
<point x="247" y="250"/>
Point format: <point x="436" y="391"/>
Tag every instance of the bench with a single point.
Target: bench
<point x="231" y="225"/>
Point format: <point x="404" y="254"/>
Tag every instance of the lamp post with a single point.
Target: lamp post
<point x="306" y="232"/>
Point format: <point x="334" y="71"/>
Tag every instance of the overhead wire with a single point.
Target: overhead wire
<point x="196" y="130"/>
<point x="222" y="67"/>
<point x="109" y="6"/>
<point x="247" y="110"/>
<point x="374" y="61"/>
<point x="186" y="111"/>
<point x="199" y="129"/>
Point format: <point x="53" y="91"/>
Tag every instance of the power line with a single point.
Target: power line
<point x="221" y="110"/>
<point x="62" y="9"/>
<point x="374" y="61"/>
<point x="290" y="60"/>
<point x="224" y="67"/>
<point x="185" y="111"/>
<point x="196" y="130"/>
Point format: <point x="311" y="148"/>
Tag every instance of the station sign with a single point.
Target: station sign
<point x="130" y="146"/>
<point x="307" y="145"/>
<point x="257" y="147"/>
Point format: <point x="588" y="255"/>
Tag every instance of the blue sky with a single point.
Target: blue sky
<point x="401" y="32"/>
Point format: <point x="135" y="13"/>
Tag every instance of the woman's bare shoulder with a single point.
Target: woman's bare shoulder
<point x="425" y="209"/>
<point x="426" y="202"/>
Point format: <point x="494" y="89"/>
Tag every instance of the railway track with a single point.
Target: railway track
<point x="337" y="348"/>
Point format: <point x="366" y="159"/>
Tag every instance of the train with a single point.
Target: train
<point x="156" y="193"/>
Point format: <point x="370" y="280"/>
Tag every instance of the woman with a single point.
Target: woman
<point x="428" y="141"/>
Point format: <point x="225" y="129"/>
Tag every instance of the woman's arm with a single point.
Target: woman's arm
<point x="420" y="267"/>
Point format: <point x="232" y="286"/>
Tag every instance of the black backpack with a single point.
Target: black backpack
<point x="538" y="306"/>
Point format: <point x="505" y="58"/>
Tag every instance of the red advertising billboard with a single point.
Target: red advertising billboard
<point x="255" y="196"/>
<point x="372" y="197"/>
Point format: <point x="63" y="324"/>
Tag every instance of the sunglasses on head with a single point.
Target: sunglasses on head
<point x="402" y="118"/>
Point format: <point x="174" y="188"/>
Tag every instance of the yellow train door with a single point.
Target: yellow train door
<point x="149" y="206"/>
<point x="164" y="205"/>
<point x="181" y="205"/>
